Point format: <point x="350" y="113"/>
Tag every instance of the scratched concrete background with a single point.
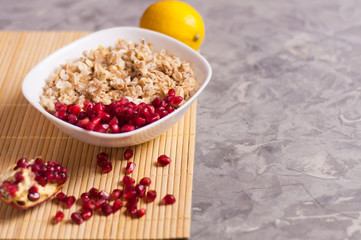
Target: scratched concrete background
<point x="278" y="150"/>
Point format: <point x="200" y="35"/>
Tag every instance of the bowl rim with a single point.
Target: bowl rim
<point x="139" y="130"/>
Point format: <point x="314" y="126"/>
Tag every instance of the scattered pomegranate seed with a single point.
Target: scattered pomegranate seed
<point x="85" y="197"/>
<point x="100" y="203"/>
<point x="88" y="206"/>
<point x="140" y="212"/>
<point x="61" y="197"/>
<point x="104" y="195"/>
<point x="87" y="214"/>
<point x="69" y="201"/>
<point x="93" y="193"/>
<point x="128" y="154"/>
<point x="77" y="218"/>
<point x="116" y="194"/>
<point x="132" y="210"/>
<point x="151" y="195"/>
<point x="117" y="205"/>
<point x="168" y="199"/>
<point x="128" y="180"/>
<point x="129" y="195"/>
<point x="140" y="189"/>
<point x="107" y="209"/>
<point x="163" y="160"/>
<point x="146" y="181"/>
<point x="107" y="167"/>
<point x="129" y="168"/>
<point x="59" y="216"/>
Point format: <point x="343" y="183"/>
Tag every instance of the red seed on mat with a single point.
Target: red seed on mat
<point x="59" y="216"/>
<point x="77" y="218"/>
<point x="129" y="168"/>
<point x="163" y="160"/>
<point x="168" y="199"/>
<point x="128" y="153"/>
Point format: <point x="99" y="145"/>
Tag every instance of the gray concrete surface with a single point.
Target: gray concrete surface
<point x="278" y="146"/>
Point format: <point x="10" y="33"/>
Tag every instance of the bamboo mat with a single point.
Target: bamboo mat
<point x="24" y="132"/>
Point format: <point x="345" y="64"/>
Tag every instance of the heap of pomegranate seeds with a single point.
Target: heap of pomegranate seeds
<point x="26" y="183"/>
<point x="117" y="117"/>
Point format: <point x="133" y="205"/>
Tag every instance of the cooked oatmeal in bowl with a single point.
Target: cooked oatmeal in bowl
<point x="159" y="86"/>
<point x="128" y="70"/>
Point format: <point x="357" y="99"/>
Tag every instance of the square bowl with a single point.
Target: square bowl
<point x="35" y="80"/>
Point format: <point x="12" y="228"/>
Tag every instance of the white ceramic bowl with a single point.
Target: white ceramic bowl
<point x="35" y="80"/>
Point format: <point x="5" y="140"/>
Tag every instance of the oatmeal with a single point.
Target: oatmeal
<point x="128" y="70"/>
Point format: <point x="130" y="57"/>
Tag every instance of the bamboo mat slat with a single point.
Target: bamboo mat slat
<point x="24" y="132"/>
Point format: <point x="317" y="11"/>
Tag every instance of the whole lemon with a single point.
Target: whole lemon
<point x="176" y="19"/>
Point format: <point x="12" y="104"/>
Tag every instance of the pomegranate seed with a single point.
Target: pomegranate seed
<point x="100" y="203"/>
<point x="77" y="218"/>
<point x="69" y="201"/>
<point x="129" y="195"/>
<point x="169" y="108"/>
<point x="141" y="212"/>
<point x="163" y="160"/>
<point x="150" y="108"/>
<point x="33" y="189"/>
<point x="139" y="121"/>
<point x="62" y="178"/>
<point x="33" y="196"/>
<point x="144" y="112"/>
<point x="90" y="126"/>
<point x="141" y="105"/>
<point x="22" y="162"/>
<point x="129" y="188"/>
<point x="129" y="168"/>
<point x="59" y="216"/>
<point x="88" y="206"/>
<point x="35" y="168"/>
<point x="127" y="128"/>
<point x="113" y="121"/>
<point x="61" y="197"/>
<point x="60" y="107"/>
<point x="128" y="154"/>
<point x="89" y="110"/>
<point x="58" y="169"/>
<point x="168" y="199"/>
<point x="106" y="117"/>
<point x="56" y="177"/>
<point x="82" y="115"/>
<point x="87" y="214"/>
<point x="128" y="180"/>
<point x="101" y="128"/>
<point x="85" y="197"/>
<point x="98" y="108"/>
<point x="93" y="193"/>
<point x="146" y="181"/>
<point x="171" y="92"/>
<point x="87" y="103"/>
<point x="117" y="205"/>
<point x="83" y="122"/>
<point x="12" y="189"/>
<point x="116" y="194"/>
<point x="132" y="210"/>
<point x="123" y="101"/>
<point x="107" y="209"/>
<point x="39" y="161"/>
<point x="42" y="181"/>
<point x="72" y="119"/>
<point x="74" y="109"/>
<point x="140" y="190"/>
<point x="156" y="102"/>
<point x="61" y="115"/>
<point x="176" y="101"/>
<point x="49" y="176"/>
<point x="102" y="163"/>
<point x="115" y="128"/>
<point x="104" y="195"/>
<point x="152" y="118"/>
<point x="19" y="176"/>
<point x="151" y="195"/>
<point x="107" y="168"/>
<point x="102" y="156"/>
<point x="168" y="99"/>
<point x="96" y="120"/>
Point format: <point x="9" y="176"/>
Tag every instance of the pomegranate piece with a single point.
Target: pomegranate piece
<point x="30" y="182"/>
<point x="163" y="160"/>
<point x="87" y="214"/>
<point x="141" y="212"/>
<point x="116" y="194"/>
<point x="146" y="181"/>
<point x="77" y="218"/>
<point x="151" y="195"/>
<point x="129" y="168"/>
<point x="117" y="205"/>
<point x="59" y="216"/>
<point x="168" y="199"/>
<point x="128" y="154"/>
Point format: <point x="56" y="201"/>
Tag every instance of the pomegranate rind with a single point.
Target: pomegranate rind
<point x="13" y="200"/>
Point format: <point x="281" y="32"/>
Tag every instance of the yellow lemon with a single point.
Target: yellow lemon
<point x="176" y="19"/>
